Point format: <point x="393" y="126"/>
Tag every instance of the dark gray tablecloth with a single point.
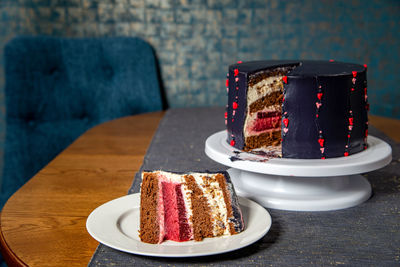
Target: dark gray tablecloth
<point x="366" y="235"/>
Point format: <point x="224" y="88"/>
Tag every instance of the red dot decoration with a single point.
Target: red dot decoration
<point x="226" y="115"/>
<point x="240" y="62"/>
<point x="236" y="72"/>
<point x="286" y="122"/>
<point x="284" y="79"/>
<point x="365" y="65"/>
<point x="351" y="121"/>
<point x="227" y="83"/>
<point x="354" y="73"/>
<point x="346" y="154"/>
<point x="232" y="142"/>
<point x="321" y="141"/>
<point x="234" y="105"/>
<point x="318" y="105"/>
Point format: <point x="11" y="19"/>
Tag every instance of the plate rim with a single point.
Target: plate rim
<point x="218" y="150"/>
<point x="94" y="215"/>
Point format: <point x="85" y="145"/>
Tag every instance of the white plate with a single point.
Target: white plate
<point x="116" y="224"/>
<point x="377" y="155"/>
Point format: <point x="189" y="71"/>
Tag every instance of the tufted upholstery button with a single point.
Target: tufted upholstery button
<point x="56" y="73"/>
<point x="53" y="70"/>
<point x="83" y="117"/>
<point x="108" y="71"/>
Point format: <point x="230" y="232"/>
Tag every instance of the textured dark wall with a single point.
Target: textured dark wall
<point x="196" y="40"/>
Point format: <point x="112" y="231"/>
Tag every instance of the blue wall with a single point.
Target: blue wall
<point x="196" y="40"/>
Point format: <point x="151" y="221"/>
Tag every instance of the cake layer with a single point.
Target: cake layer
<point x="188" y="206"/>
<point x="273" y="100"/>
<point x="202" y="215"/>
<point x="185" y="231"/>
<point x="323" y="105"/>
<point x="268" y="86"/>
<point x="263" y="140"/>
<point x="149" y="216"/>
<point x="176" y="226"/>
<point x="263" y="121"/>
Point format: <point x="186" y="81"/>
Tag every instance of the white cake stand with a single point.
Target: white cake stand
<point x="301" y="184"/>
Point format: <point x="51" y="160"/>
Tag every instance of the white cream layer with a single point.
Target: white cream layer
<point x="263" y="88"/>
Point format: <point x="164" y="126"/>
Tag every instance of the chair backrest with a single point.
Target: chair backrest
<point x="57" y="88"/>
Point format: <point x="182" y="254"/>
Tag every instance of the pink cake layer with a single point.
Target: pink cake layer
<point x="172" y="213"/>
<point x="264" y="122"/>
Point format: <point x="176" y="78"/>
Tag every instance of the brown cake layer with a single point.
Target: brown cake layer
<point x="149" y="225"/>
<point x="259" y="76"/>
<point x="275" y="98"/>
<point x="265" y="139"/>
<point x="202" y="224"/>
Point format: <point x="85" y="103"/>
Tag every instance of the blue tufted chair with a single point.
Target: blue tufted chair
<point x="57" y="88"/>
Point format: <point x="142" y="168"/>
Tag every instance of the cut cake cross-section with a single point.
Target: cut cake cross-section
<point x="191" y="206"/>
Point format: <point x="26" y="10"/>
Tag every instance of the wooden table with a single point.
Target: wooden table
<point x="43" y="223"/>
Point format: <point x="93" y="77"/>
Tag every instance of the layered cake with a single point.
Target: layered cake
<point x="191" y="206"/>
<point x="298" y="109"/>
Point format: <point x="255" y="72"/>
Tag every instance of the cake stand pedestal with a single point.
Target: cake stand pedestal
<point x="300" y="184"/>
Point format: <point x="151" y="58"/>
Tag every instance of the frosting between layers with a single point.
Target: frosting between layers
<point x="264" y="88"/>
<point x="160" y="212"/>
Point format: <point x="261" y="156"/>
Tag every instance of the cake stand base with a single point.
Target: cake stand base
<point x="301" y="193"/>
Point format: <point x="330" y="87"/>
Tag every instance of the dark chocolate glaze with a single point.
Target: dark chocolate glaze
<point x="335" y="80"/>
<point x="237" y="217"/>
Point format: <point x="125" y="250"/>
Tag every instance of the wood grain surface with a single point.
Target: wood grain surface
<point x="43" y="223"/>
<point x="391" y="127"/>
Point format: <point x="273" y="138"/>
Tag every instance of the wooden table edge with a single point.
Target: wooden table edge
<point x="8" y="254"/>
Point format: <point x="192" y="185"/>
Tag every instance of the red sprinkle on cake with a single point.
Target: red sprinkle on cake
<point x="191" y="206"/>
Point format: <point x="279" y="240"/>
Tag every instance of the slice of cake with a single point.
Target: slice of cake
<point x="191" y="206"/>
<point x="300" y="109"/>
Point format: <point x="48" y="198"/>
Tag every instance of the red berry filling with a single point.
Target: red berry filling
<point x="267" y="120"/>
